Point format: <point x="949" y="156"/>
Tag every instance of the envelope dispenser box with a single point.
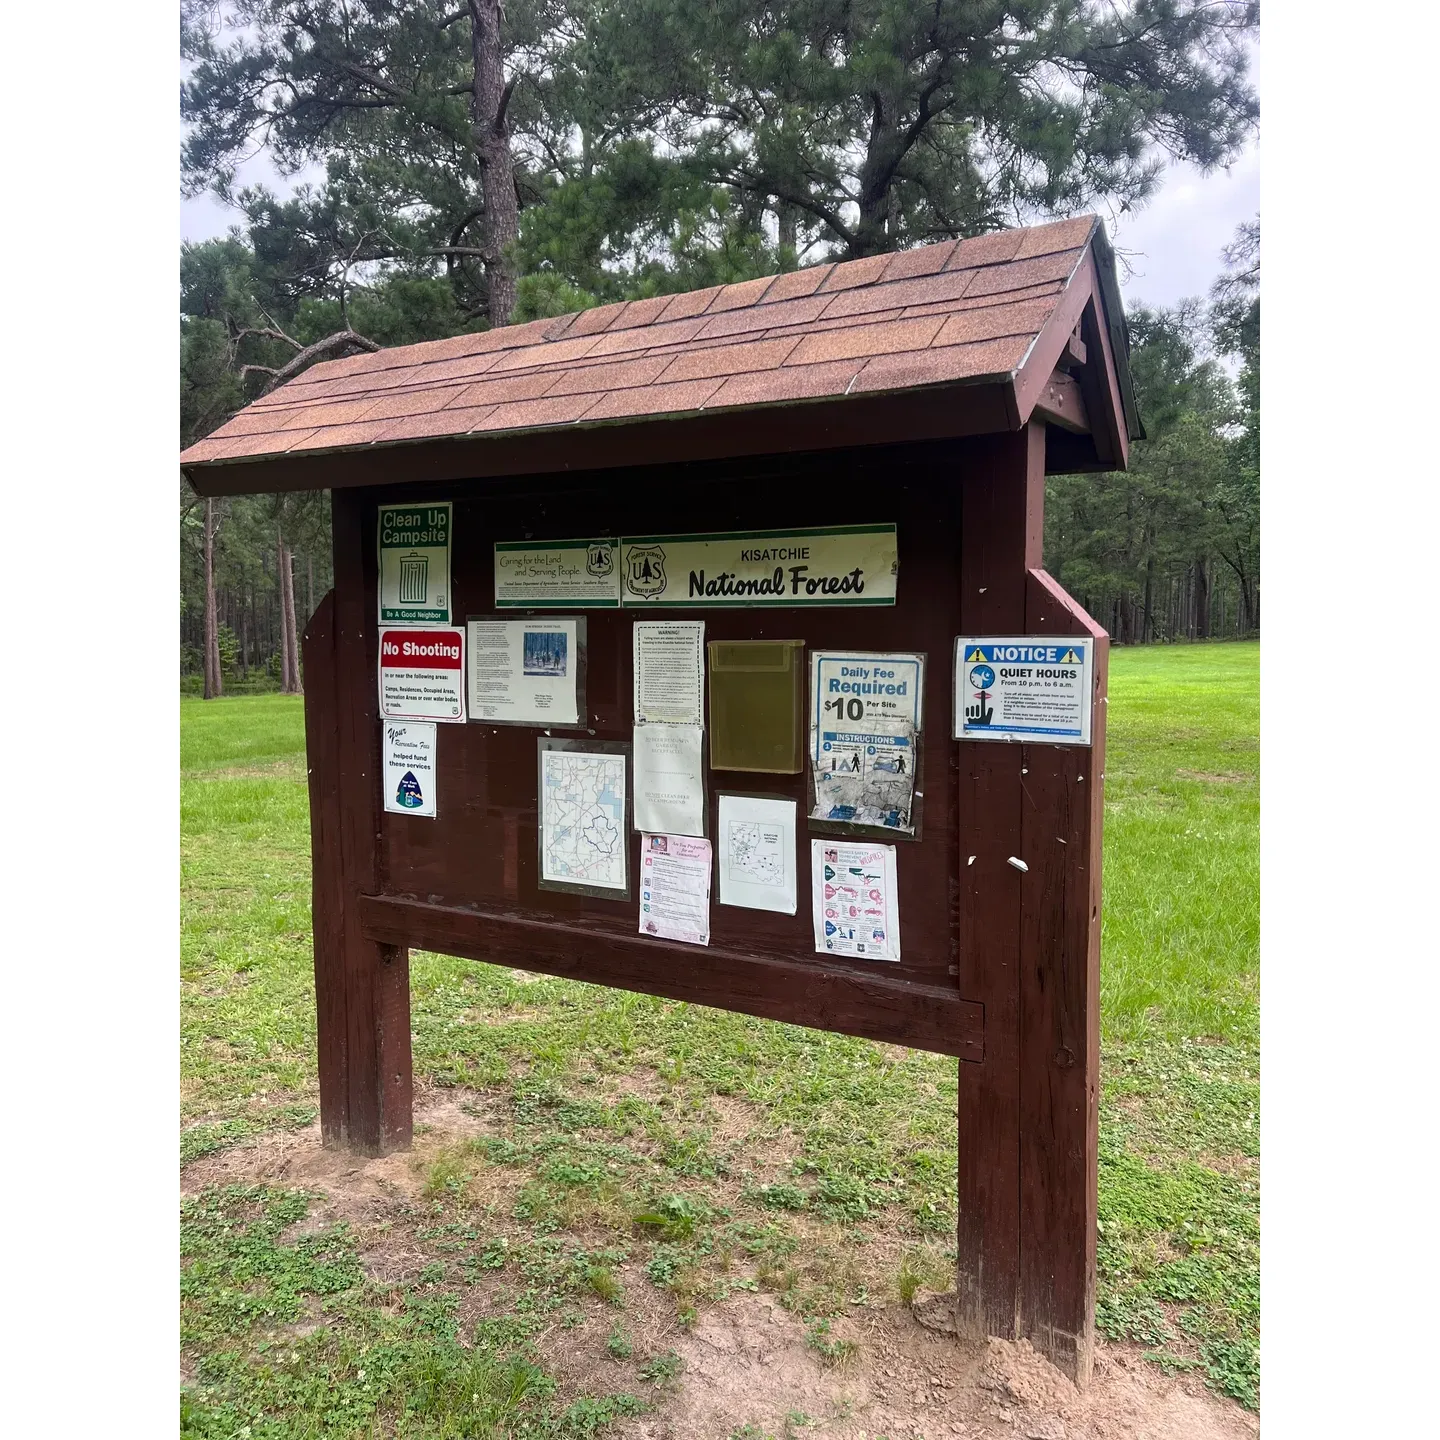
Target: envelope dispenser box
<point x="757" y="705"/>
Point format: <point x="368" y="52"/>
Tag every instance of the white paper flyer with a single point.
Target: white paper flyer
<point x="853" y="899"/>
<point x="675" y="888"/>
<point x="669" y="671"/>
<point x="524" y="672"/>
<point x="669" y="779"/>
<point x="757" y="853"/>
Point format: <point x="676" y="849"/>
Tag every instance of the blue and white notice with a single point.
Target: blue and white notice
<point x="865" y="713"/>
<point x="1024" y="687"/>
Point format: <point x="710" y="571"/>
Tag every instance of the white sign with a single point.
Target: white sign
<point x="414" y="550"/>
<point x="669" y="660"/>
<point x="560" y="574"/>
<point x="669" y="779"/>
<point x="583" y="839"/>
<point x="839" y="565"/>
<point x="422" y="675"/>
<point x="866" y="709"/>
<point x="1024" y="687"/>
<point x="853" y="899"/>
<point x="757" y="853"/>
<point x="524" y="672"/>
<point x="675" y="888"/>
<point x="408" y="749"/>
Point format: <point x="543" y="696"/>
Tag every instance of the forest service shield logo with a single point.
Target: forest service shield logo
<point x="645" y="570"/>
<point x="599" y="560"/>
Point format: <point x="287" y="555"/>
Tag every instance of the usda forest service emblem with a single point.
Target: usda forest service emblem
<point x="645" y="572"/>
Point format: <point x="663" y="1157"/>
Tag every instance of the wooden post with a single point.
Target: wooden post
<point x="1028" y="1114"/>
<point x="362" y="988"/>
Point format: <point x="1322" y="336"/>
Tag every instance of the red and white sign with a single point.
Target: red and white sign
<point x="422" y="674"/>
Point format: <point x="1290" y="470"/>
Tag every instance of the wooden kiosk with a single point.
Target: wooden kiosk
<point x="932" y="391"/>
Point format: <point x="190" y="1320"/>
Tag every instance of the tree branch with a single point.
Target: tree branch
<point x="320" y="350"/>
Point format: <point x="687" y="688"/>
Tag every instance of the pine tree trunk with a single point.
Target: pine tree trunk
<point x="1148" y="633"/>
<point x="289" y="648"/>
<point x="787" y="219"/>
<point x="491" y="135"/>
<point x="1202" y="600"/>
<point x="280" y="570"/>
<point x="309" y="587"/>
<point x="214" y="685"/>
<point x="291" y="625"/>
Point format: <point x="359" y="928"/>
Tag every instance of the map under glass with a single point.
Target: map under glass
<point x="582" y="818"/>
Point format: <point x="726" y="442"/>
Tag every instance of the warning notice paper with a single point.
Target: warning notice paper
<point x="853" y="900"/>
<point x="670" y="672"/>
<point x="414" y="550"/>
<point x="524" y="672"/>
<point x="865" y="714"/>
<point x="669" y="779"/>
<point x="757" y="853"/>
<point x="675" y="888"/>
<point x="409" y="766"/>
<point x="1023" y="687"/>
<point x="422" y="675"/>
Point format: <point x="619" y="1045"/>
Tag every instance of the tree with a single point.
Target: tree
<point x="409" y="104"/>
<point x="876" y="124"/>
<point x="1236" y="323"/>
<point x="1139" y="546"/>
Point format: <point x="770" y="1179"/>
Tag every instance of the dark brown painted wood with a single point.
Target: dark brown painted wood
<point x="926" y="1017"/>
<point x="481" y="851"/>
<point x="942" y="412"/>
<point x="1062" y="404"/>
<point x="1001" y="532"/>
<point x="377" y="977"/>
<point x="327" y="886"/>
<point x="1060" y="1013"/>
<point x="1000" y="964"/>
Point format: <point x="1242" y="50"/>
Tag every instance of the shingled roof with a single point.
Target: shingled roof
<point x="959" y="313"/>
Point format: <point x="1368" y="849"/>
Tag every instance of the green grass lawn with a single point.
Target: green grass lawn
<point x="642" y="1145"/>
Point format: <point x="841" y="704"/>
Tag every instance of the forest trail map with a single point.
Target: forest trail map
<point x="755" y="854"/>
<point x="583" y="818"/>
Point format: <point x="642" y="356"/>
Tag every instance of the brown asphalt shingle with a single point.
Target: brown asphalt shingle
<point x="938" y="315"/>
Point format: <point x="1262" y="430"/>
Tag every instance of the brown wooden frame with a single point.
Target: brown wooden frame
<point x="1018" y="1005"/>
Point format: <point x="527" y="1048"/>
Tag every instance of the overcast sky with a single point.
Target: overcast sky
<point x="1171" y="247"/>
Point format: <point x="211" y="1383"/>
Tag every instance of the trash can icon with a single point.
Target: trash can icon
<point x="414" y="579"/>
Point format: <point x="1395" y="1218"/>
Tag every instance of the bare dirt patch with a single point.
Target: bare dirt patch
<point x="1212" y="777"/>
<point x="748" y="1362"/>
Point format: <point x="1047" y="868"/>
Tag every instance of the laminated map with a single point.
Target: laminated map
<point x="582" y="818"/>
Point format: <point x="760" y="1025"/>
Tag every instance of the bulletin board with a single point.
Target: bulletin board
<point x="468" y="880"/>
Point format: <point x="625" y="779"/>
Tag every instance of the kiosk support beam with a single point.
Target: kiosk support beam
<point x="362" y="987"/>
<point x="1030" y="948"/>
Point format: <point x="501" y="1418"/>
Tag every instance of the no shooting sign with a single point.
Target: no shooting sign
<point x="1023" y="687"/>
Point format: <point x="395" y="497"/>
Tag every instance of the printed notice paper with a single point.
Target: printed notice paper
<point x="568" y="574"/>
<point x="583" y="840"/>
<point x="670" y="671"/>
<point x="865" y="712"/>
<point x="757" y="853"/>
<point x="853" y="900"/>
<point x="675" y="888"/>
<point x="414" y="550"/>
<point x="669" y="779"/>
<point x="524" y="672"/>
<point x="422" y="675"/>
<point x="409" y="766"/>
<point x="1024" y="688"/>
